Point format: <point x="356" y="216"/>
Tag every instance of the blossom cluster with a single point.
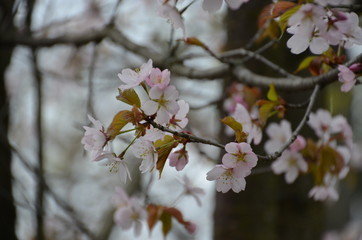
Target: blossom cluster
<point x="316" y="26"/>
<point x="131" y="212"/>
<point x="326" y="159"/>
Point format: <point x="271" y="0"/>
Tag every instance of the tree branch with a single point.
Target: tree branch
<point x="189" y="137"/>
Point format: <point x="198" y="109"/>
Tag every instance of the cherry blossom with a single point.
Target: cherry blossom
<point x="117" y="164"/>
<point x="173" y="15"/>
<point x="340" y="126"/>
<point x="131" y="215"/>
<point x="278" y="134"/>
<point x="240" y="157"/>
<point x="95" y="138"/>
<point x="192" y="191"/>
<point x="320" y="122"/>
<point x="322" y="193"/>
<point x="347" y="77"/>
<point x="252" y="131"/>
<point x="214" y="5"/>
<point x="226" y="179"/>
<point x="133" y="78"/>
<point x="179" y="159"/>
<point x="179" y="121"/>
<point x="302" y="39"/>
<point x="163" y="101"/>
<point x="145" y="150"/>
<point x="158" y="78"/>
<point x="351" y="30"/>
<point x="326" y="190"/>
<point x="290" y="163"/>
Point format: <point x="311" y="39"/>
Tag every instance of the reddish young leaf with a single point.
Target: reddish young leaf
<point x="119" y="121"/>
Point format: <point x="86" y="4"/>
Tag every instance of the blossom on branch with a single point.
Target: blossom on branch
<point x="290" y="163"/>
<point x="179" y="159"/>
<point x="130" y="213"/>
<point x="347" y="77"/>
<point x="94" y="138"/>
<point x="226" y="179"/>
<point x="145" y="150"/>
<point x="240" y="157"/>
<point x="133" y="78"/>
<point x="116" y="164"/>
<point x="172" y="14"/>
<point x="163" y="102"/>
<point x="191" y="190"/>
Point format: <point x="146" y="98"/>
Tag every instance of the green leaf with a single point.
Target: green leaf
<point x="119" y="121"/>
<point x="283" y="20"/>
<point x="164" y="148"/>
<point x="129" y="96"/>
<point x="166" y="223"/>
<point x="272" y="93"/>
<point x="236" y="126"/>
<point x="266" y="111"/>
<point x="305" y="63"/>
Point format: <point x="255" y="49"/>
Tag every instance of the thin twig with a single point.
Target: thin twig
<point x="297" y="130"/>
<point x="189" y="137"/>
<point x="243" y="52"/>
<point x="90" y="109"/>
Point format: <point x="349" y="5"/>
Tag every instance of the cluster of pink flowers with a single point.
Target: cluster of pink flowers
<point x="236" y="165"/>
<point x="328" y="162"/>
<point x="291" y="162"/>
<point x="315" y="26"/>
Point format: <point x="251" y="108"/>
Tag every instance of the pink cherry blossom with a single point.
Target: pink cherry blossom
<point x="179" y="159"/>
<point x="133" y="78"/>
<point x="347" y="77"/>
<point x="278" y="134"/>
<point x="340" y="126"/>
<point x="240" y="157"/>
<point x="117" y="164"/>
<point x="130" y="216"/>
<point x="158" y="78"/>
<point x="252" y="131"/>
<point x="226" y="179"/>
<point x="163" y="102"/>
<point x="192" y="191"/>
<point x="351" y="30"/>
<point x="95" y="138"/>
<point x="214" y="5"/>
<point x="145" y="150"/>
<point x="179" y="121"/>
<point x="320" y="122"/>
<point x="290" y="163"/>
<point x="322" y="193"/>
<point x="173" y="15"/>
<point x="298" y="144"/>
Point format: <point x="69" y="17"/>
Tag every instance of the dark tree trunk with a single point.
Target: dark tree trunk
<point x="7" y="209"/>
<point x="268" y="209"/>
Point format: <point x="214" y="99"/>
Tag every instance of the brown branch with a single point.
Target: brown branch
<point x="189" y="137"/>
